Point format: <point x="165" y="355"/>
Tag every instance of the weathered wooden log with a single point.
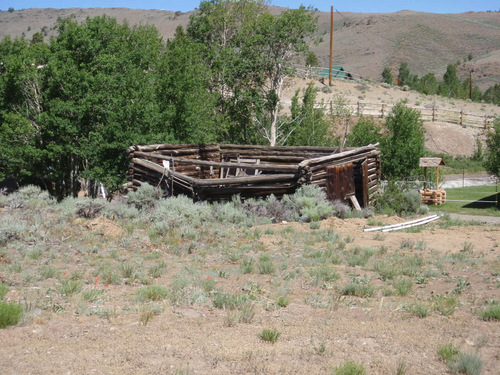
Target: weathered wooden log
<point x="263" y="167"/>
<point x="269" y="178"/>
<point x="156" y="147"/>
<point x="370" y="150"/>
<point x="261" y="148"/>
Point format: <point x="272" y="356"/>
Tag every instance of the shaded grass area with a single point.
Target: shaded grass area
<point x="475" y="200"/>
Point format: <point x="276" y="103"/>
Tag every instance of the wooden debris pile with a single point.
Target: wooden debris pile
<point x="435" y="197"/>
<point x="217" y="172"/>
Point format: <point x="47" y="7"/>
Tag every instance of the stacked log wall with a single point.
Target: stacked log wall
<point x="195" y="169"/>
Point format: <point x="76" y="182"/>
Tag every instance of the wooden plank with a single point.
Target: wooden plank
<point x="363" y="194"/>
<point x="370" y="150"/>
<point x="340" y="182"/>
<point x="270" y="178"/>
<point x="355" y="202"/>
<point x="267" y="167"/>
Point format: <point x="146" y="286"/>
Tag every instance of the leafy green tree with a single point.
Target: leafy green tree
<point x="222" y="27"/>
<point x="450" y="87"/>
<point x="387" y="76"/>
<point x="271" y="50"/>
<point x="365" y="132"/>
<point x="101" y="97"/>
<point x="21" y="104"/>
<point x="249" y="52"/>
<point x="492" y="94"/>
<point x="465" y="91"/>
<point x="428" y="84"/>
<point x="403" y="145"/>
<point x="307" y="126"/>
<point x="185" y="102"/>
<point x="312" y="59"/>
<point x="71" y="108"/>
<point x="492" y="155"/>
<point x="404" y="74"/>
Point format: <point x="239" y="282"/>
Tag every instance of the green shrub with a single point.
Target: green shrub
<point x="359" y="287"/>
<point x="11" y="230"/>
<point x="492" y="312"/>
<point x="247" y="265"/>
<point x="467" y="364"/>
<point x="122" y="211"/>
<point x="417" y="309"/>
<point x="311" y="203"/>
<point x="48" y="272"/>
<point x="323" y="274"/>
<point x="4" y="289"/>
<point x="358" y="256"/>
<point x="402" y="286"/>
<point x="30" y="196"/>
<point x="10" y="314"/>
<point x="283" y="301"/>
<point x="400" y="199"/>
<point x="152" y="293"/>
<point x="448" y="352"/>
<point x="349" y="368"/>
<point x="445" y="305"/>
<point x="145" y="197"/>
<point x="229" y="301"/>
<point x="89" y="208"/>
<point x="179" y="211"/>
<point x="69" y="287"/>
<point x="266" y="265"/>
<point x="269" y="335"/>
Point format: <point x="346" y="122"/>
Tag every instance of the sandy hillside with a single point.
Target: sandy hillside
<point x="364" y="43"/>
<point x="441" y="137"/>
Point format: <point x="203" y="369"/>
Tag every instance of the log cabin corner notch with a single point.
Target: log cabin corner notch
<point x="216" y="172"/>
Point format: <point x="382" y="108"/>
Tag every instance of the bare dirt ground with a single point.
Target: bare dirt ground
<point x="320" y="328"/>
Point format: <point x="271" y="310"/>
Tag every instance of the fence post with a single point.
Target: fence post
<point x="486" y="121"/>
<point x="433" y="114"/>
<point x="383" y="106"/>
<point x="359" y="107"/>
<point x="462" y="117"/>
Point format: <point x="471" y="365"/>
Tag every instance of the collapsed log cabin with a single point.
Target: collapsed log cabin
<point x="216" y="172"/>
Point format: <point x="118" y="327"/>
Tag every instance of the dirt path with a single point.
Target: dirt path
<point x="482" y="219"/>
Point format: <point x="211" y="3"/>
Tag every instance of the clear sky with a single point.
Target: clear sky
<point x="362" y="6"/>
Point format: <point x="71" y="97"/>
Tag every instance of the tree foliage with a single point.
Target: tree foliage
<point x="492" y="155"/>
<point x="365" y="132"/>
<point x="70" y="107"/>
<point x="307" y="125"/>
<point x="450" y="86"/>
<point x="387" y="76"/>
<point x="403" y="145"/>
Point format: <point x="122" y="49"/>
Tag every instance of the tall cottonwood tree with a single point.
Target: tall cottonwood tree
<point x="250" y="52"/>
<point x="221" y="27"/>
<point x="275" y="44"/>
<point x="79" y="102"/>
<point x="403" y="143"/>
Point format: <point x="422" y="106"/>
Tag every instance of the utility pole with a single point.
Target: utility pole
<point x="470" y="84"/>
<point x="331" y="48"/>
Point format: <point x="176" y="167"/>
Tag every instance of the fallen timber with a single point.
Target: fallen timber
<point x="217" y="172"/>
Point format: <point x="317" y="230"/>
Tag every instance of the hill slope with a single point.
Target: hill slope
<point x="363" y="43"/>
